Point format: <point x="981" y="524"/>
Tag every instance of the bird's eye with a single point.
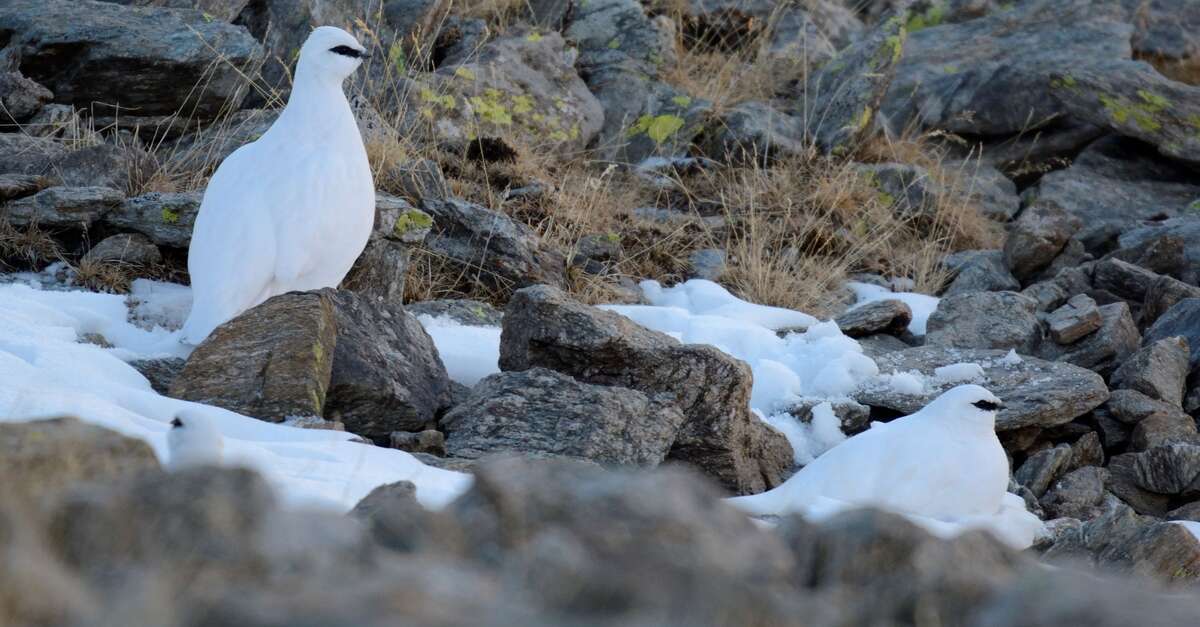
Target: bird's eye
<point x="986" y="405"/>
<point x="347" y="51"/>
<point x="176" y="423"/>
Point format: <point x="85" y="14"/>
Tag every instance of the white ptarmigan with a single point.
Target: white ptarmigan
<point x="292" y="210"/>
<point x="943" y="464"/>
<point x="193" y="441"/>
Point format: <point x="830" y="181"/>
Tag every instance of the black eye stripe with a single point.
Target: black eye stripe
<point x="347" y="51"/>
<point x="986" y="405"/>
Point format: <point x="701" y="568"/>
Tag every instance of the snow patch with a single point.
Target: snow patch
<point x="470" y="353"/>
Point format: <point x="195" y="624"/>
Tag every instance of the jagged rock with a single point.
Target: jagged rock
<point x="20" y="98"/>
<point x="1132" y="407"/>
<point x="1114" y="434"/>
<point x="270" y="362"/>
<point x="1191" y="511"/>
<point x="386" y="374"/>
<point x="1004" y="320"/>
<point x="1169" y="469"/>
<point x="1165" y="254"/>
<point x="1072" y="321"/>
<point x="491" y="248"/>
<point x="380" y="271"/>
<point x="1037" y="237"/>
<point x="1104" y="349"/>
<point x="1185" y="229"/>
<point x="993" y="192"/>
<point x="1123" y="279"/>
<point x="545" y="328"/>
<point x="465" y="312"/>
<point x="62" y="206"/>
<point x="1041" y="469"/>
<point x="20" y="185"/>
<point x="1050" y="295"/>
<point x="119" y="54"/>
<point x="1183" y="320"/>
<point x="1123" y="482"/>
<point x="1035" y="392"/>
<point x="520" y="89"/>
<point x="1134" y="100"/>
<point x="991" y="76"/>
<point x="1159" y="370"/>
<point x="43" y="458"/>
<point x="26" y="154"/>
<point x="1079" y="494"/>
<point x="429" y="441"/>
<point x="979" y="271"/>
<point x="1163" y="428"/>
<point x="166" y="218"/>
<point x="131" y="248"/>
<point x="1086" y="451"/>
<point x="880" y="316"/>
<point x="541" y="411"/>
<point x="159" y="372"/>
<point x="1165" y="551"/>
<point x="843" y="97"/>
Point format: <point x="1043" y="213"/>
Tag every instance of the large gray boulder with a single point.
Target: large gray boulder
<point x="1103" y="349"/>
<point x="1158" y="370"/>
<point x="1035" y="392"/>
<point x="1037" y="237"/>
<point x="543" y="412"/>
<point x="99" y="54"/>
<point x="1004" y="320"/>
<point x="978" y="271"/>
<point x="1183" y="320"/>
<point x="1185" y="229"/>
<point x="76" y="207"/>
<point x="165" y="217"/>
<point x="544" y="328"/>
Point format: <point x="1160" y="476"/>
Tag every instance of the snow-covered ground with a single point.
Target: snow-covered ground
<point x="46" y="370"/>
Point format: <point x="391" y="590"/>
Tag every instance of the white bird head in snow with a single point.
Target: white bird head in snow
<point x="971" y="402"/>
<point x="193" y="441"/>
<point x="330" y="52"/>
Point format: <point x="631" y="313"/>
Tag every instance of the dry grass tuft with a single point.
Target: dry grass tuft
<point x="27" y="247"/>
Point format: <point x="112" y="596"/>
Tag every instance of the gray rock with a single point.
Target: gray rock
<point x="880" y="344"/>
<point x="270" y="362"/>
<point x="118" y="55"/>
<point x="1183" y="320"/>
<point x="753" y="131"/>
<point x="62" y="206"/>
<point x="907" y="189"/>
<point x="991" y="76"/>
<point x="1114" y="434"/>
<point x="386" y="374"/>
<point x="842" y="98"/>
<point x="597" y="253"/>
<point x="1050" y="295"/>
<point x="1185" y="229"/>
<point x="20" y="185"/>
<point x="1163" y="551"/>
<point x="470" y="313"/>
<point x="1165" y="254"/>
<point x="1132" y="407"/>
<point x="1043" y="468"/>
<point x="166" y="218"/>
<point x="130" y="248"/>
<point x="1123" y="279"/>
<point x="1191" y="512"/>
<point x="1162" y="27"/>
<point x="1031" y="154"/>
<point x="20" y="98"/>
<point x="1002" y="320"/>
<point x="993" y="192"/>
<point x="44" y="458"/>
<point x="1162" y="428"/>
<point x="102" y="165"/>
<point x="429" y="441"/>
<point x="880" y="316"/>
<point x="541" y="411"/>
<point x="707" y="263"/>
<point x="1037" y="237"/>
<point x="1104" y="349"/>
<point x="381" y="269"/>
<point x="1086" y="451"/>
<point x="798" y="37"/>
<point x="491" y="248"/>
<point x="1169" y="469"/>
<point x="544" y="328"/>
<point x="1072" y="321"/>
<point x="1123" y="482"/>
<point x="1162" y="294"/>
<point x="1159" y="370"/>
<point x="204" y="149"/>
<point x="26" y="154"/>
<point x="1135" y="101"/>
<point x="1079" y="494"/>
<point x="159" y="372"/>
<point x="1035" y="392"/>
<point x="979" y="271"/>
<point x="852" y="416"/>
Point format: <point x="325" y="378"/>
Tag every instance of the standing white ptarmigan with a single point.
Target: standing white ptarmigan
<point x="292" y="210"/>
<point x="943" y="463"/>
<point x="192" y="441"/>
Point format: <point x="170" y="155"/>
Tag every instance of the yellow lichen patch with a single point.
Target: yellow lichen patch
<point x="682" y="101"/>
<point x="930" y="17"/>
<point x="1153" y="102"/>
<point x="446" y="101"/>
<point x="614" y="44"/>
<point x="490" y="109"/>
<point x="1141" y="114"/>
<point x="864" y="119"/>
<point x="169" y="216"/>
<point x="396" y="56"/>
<point x="522" y="104"/>
<point x="410" y="220"/>
<point x="534" y="37"/>
<point x="657" y="127"/>
<point x="466" y="73"/>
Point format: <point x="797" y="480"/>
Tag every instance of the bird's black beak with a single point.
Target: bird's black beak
<point x="176" y="423"/>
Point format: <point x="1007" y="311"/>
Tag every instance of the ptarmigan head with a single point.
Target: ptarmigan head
<point x="970" y="402"/>
<point x="192" y="441"/>
<point x="332" y="52"/>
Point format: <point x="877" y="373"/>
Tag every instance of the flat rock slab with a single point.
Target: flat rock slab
<point x="166" y="218"/>
<point x="1035" y="392"/>
<point x="880" y="316"/>
<point x="62" y="206"/>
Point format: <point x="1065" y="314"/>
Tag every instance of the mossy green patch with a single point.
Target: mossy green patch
<point x="864" y="119"/>
<point x="682" y="101"/>
<point x="208" y="17"/>
<point x="465" y="73"/>
<point x="657" y="127"/>
<point x="1194" y="207"/>
<point x="1153" y="102"/>
<point x="932" y="16"/>
<point x="614" y="44"/>
<point x="446" y="101"/>
<point x="1142" y="114"/>
<point x="396" y="57"/>
<point x="896" y="44"/>
<point x="534" y="37"/>
<point x="411" y="220"/>
<point x="490" y="109"/>
<point x="1065" y="82"/>
<point x="169" y="216"/>
<point x="522" y="104"/>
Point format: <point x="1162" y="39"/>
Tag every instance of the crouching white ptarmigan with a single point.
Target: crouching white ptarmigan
<point x="292" y="210"/>
<point x="943" y="466"/>
<point x="193" y="441"/>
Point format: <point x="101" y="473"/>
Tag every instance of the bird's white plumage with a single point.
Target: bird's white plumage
<point x="193" y="441"/>
<point x="292" y="210"/>
<point x="943" y="464"/>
